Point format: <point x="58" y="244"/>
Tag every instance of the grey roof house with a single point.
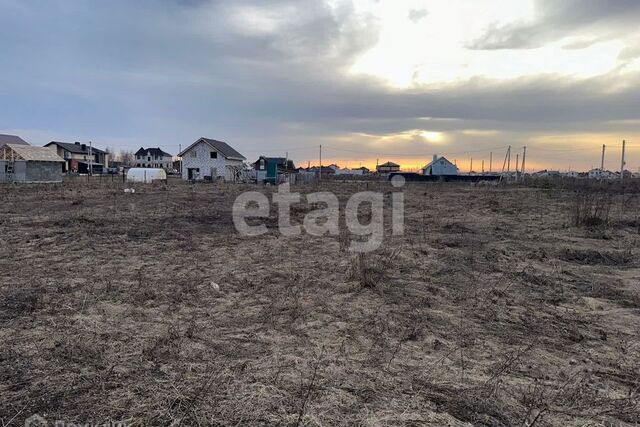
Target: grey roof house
<point x="209" y="159"/>
<point x="11" y="139"/>
<point x="80" y="157"/>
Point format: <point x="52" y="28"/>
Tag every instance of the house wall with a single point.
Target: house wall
<point x="84" y="157"/>
<point x="43" y="172"/>
<point x="19" y="171"/>
<point x="388" y="169"/>
<point x="33" y="172"/>
<point x="164" y="162"/>
<point x="205" y="163"/>
<point x="441" y="167"/>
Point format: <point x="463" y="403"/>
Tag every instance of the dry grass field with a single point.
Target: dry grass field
<point x="500" y="306"/>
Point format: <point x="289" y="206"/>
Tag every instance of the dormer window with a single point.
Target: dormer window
<point x="261" y="164"/>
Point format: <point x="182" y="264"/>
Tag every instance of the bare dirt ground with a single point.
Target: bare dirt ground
<point x="493" y="309"/>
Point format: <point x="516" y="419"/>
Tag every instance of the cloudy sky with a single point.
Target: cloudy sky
<point x="395" y="80"/>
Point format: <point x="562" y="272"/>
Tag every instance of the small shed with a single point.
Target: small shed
<point x="27" y="164"/>
<point x="268" y="168"/>
<point x="146" y="175"/>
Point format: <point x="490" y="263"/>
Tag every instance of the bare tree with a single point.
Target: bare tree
<point x="127" y="157"/>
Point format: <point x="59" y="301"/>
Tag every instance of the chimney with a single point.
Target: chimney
<point x="77" y="143"/>
<point x="435" y="157"/>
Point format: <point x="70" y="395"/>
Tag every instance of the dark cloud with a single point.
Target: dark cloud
<point x="557" y="19"/>
<point x="261" y="74"/>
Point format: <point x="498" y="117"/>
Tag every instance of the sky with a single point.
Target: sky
<point x="369" y="80"/>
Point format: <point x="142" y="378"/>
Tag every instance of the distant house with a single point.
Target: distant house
<point x="571" y="174"/>
<point x="208" y="159"/>
<point x="268" y="168"/>
<point x="26" y="164"/>
<point x="154" y="158"/>
<point x="341" y="171"/>
<point x="546" y="173"/>
<point x="81" y="158"/>
<point x="440" y="166"/>
<point x="11" y="139"/>
<point x="388" y="167"/>
<point x="602" y="174"/>
<point x="324" y="170"/>
<point x="352" y="172"/>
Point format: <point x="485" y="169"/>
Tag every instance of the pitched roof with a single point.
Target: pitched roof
<point x="220" y="146"/>
<point x="278" y="160"/>
<point x="76" y="147"/>
<point x="35" y="154"/>
<point x="437" y="160"/>
<point x="323" y="169"/>
<point x="152" y="152"/>
<point x="12" y="139"/>
<point x="388" y="164"/>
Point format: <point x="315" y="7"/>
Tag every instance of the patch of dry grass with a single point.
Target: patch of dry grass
<point x="490" y="310"/>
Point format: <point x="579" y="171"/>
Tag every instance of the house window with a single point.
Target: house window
<point x="194" y="154"/>
<point x="261" y="164"/>
<point x="214" y="154"/>
<point x="149" y="159"/>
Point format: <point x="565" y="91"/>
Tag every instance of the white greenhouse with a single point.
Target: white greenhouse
<point x="145" y="175"/>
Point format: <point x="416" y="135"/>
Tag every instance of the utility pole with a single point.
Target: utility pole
<point x="320" y="170"/>
<point x="491" y="162"/>
<point x="506" y="156"/>
<point x="524" y="158"/>
<point x="483" y="167"/>
<point x="517" y="167"/>
<point x="604" y="148"/>
<point x="509" y="160"/>
<point x="90" y="158"/>
<point x="180" y="152"/>
<point x="623" y="164"/>
<point x="471" y="167"/>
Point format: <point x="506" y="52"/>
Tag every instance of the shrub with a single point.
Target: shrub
<point x="591" y="209"/>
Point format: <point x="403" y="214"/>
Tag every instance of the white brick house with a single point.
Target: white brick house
<point x="210" y="159"/>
